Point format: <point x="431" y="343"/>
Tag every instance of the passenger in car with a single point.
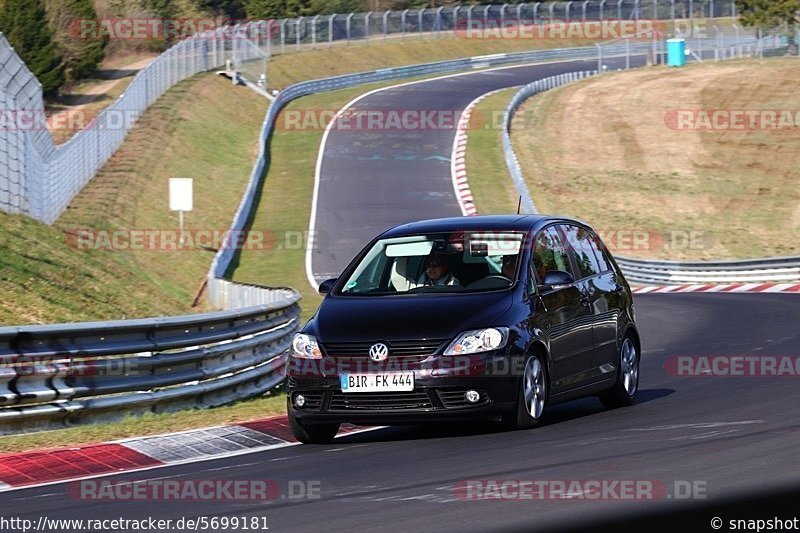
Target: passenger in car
<point x="509" y="266"/>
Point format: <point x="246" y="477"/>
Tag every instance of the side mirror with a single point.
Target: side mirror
<point x="326" y="286"/>
<point x="555" y="280"/>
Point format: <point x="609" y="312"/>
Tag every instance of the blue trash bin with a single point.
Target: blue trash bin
<point x="676" y="52"/>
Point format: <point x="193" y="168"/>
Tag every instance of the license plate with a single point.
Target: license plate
<point x="377" y="382"/>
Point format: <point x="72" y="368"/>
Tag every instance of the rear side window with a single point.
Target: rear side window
<point x="549" y="253"/>
<point x="584" y="249"/>
<point x="597" y="248"/>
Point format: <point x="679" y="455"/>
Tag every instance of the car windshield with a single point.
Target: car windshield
<point x="453" y="262"/>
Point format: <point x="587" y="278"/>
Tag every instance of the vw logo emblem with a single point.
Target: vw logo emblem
<point x="378" y="352"/>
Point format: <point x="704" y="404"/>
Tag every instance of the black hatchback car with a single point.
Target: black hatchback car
<point x="489" y="317"/>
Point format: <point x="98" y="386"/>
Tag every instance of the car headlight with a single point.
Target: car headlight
<point x="305" y="347"/>
<point x="478" y="340"/>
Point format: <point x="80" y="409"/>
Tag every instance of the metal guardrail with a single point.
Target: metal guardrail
<point x="220" y="291"/>
<point x="39" y="178"/>
<point x="69" y="373"/>
<point x="273" y="37"/>
<point x="527" y="91"/>
<point x="774" y="269"/>
<point x="55" y="375"/>
<point x="61" y="374"/>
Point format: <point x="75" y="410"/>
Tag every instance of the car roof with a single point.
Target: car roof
<point x="475" y="223"/>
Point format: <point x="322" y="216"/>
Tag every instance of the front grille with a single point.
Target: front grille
<point x="379" y="401"/>
<point x="296" y="382"/>
<point x="454" y="398"/>
<point x="411" y="348"/>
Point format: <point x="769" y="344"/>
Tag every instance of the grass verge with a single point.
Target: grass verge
<point x="149" y="424"/>
<point x="492" y="188"/>
<point x="691" y="194"/>
<point x="44" y="277"/>
<point x="340" y="59"/>
<point x="343" y="58"/>
<point x="83" y="101"/>
<point x="284" y="204"/>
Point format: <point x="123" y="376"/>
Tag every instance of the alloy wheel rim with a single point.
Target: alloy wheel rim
<point x="630" y="367"/>
<point x="534" y="388"/>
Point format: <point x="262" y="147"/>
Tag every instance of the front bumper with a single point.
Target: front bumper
<point x="434" y="398"/>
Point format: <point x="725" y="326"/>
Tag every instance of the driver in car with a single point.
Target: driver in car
<point x="437" y="273"/>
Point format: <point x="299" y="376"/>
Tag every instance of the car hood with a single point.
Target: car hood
<point x="348" y="319"/>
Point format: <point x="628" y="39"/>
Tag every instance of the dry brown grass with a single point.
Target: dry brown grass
<point x="602" y="151"/>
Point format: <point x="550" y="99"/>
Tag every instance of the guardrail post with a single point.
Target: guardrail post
<point x="366" y="25"/>
<point x="619" y="9"/>
<point x="403" y="21"/>
<point x="297" y="33"/>
<point x="385" y="24"/>
<point x="627" y="54"/>
<point x="283" y="35"/>
<point x="438" y="22"/>
<point x="583" y="10"/>
<point x="599" y="57"/>
<point x="567" y="7"/>
<point x="420" y="14"/>
<point x="314" y="30"/>
<point x="234" y="47"/>
<point x="602" y="7"/>
<point x="347" y="25"/>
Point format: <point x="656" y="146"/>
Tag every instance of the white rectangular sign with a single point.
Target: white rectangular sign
<point x="180" y="194"/>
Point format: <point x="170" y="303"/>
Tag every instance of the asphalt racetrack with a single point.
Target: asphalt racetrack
<point x="370" y="179"/>
<point x="700" y="440"/>
<point x="727" y="436"/>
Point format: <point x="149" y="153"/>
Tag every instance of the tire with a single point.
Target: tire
<point x="531" y="396"/>
<point x="623" y="393"/>
<point x="312" y="433"/>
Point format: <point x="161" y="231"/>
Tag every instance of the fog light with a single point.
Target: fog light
<point x="299" y="400"/>
<point x="472" y="396"/>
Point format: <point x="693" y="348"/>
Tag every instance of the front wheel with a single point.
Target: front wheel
<point x="531" y="396"/>
<point x="312" y="433"/>
<point x="623" y="393"/>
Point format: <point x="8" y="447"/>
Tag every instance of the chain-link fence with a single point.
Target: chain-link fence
<point x="288" y="35"/>
<point x="39" y="179"/>
<point x="705" y="41"/>
<point x="294" y="35"/>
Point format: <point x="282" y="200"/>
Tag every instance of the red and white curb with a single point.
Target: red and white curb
<point x="458" y="166"/>
<point x="792" y="288"/>
<point x="43" y="467"/>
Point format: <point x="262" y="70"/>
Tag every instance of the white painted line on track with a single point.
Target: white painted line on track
<point x="225" y="455"/>
<point x="321" y="153"/>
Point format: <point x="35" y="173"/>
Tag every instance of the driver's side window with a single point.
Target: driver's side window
<point x="549" y="253"/>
